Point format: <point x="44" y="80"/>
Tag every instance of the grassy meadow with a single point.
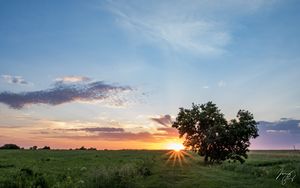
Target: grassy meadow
<point x="141" y="168"/>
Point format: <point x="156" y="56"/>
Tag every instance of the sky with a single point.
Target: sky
<point x="112" y="74"/>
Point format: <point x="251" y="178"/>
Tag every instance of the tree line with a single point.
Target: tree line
<point x="14" y="146"/>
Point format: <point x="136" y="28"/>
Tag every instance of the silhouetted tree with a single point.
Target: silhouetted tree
<point x="9" y="146"/>
<point x="208" y="133"/>
<point x="81" y="148"/>
<point x="33" y="148"/>
<point x="46" y="147"/>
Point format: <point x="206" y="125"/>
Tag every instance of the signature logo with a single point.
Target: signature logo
<point x="286" y="176"/>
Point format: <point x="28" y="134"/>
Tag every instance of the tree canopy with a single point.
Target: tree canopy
<point x="208" y="133"/>
<point x="10" y="146"/>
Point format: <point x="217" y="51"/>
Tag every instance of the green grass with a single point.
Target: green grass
<point x="130" y="168"/>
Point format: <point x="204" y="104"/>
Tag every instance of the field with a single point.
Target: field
<point x="143" y="168"/>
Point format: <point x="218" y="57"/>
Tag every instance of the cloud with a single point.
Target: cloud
<point x="165" y="120"/>
<point x="108" y="133"/>
<point x="72" y="79"/>
<point x="64" y="93"/>
<point x="14" y="79"/>
<point x="122" y="135"/>
<point x="115" y="136"/>
<point x="96" y="129"/>
<point x="281" y="134"/>
<point x="284" y="125"/>
<point x="200" y="27"/>
<point x="168" y="131"/>
<point x="277" y="131"/>
<point x="222" y="83"/>
<point x="103" y="129"/>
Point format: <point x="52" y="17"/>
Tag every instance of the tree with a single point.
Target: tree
<point x="33" y="148"/>
<point x="46" y="148"/>
<point x="208" y="133"/>
<point x="81" y="148"/>
<point x="9" y="146"/>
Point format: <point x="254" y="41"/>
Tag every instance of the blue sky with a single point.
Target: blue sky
<point x="168" y="54"/>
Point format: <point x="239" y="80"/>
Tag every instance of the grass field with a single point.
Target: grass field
<point x="130" y="168"/>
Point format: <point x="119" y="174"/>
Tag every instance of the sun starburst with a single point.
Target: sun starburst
<point x="177" y="155"/>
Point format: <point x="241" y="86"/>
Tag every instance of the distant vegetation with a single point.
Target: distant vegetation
<point x="14" y="146"/>
<point x="9" y="146"/>
<point x="33" y="148"/>
<point x="208" y="133"/>
<point x="83" y="148"/>
<point x="46" y="147"/>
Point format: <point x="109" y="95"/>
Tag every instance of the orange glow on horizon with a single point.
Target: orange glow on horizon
<point x="175" y="146"/>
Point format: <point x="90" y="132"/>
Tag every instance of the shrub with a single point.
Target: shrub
<point x="33" y="148"/>
<point x="9" y="146"/>
<point x="81" y="148"/>
<point x="46" y="147"/>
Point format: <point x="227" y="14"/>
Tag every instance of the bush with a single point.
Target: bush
<point x="81" y="148"/>
<point x="33" y="148"/>
<point x="9" y="146"/>
<point x="46" y="147"/>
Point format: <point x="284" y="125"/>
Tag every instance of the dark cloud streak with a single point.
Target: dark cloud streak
<point x="64" y="93"/>
<point x="96" y="129"/>
<point x="163" y="120"/>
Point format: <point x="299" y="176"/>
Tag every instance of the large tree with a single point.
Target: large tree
<point x="208" y="133"/>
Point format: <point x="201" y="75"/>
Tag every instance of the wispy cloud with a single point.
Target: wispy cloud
<point x="165" y="120"/>
<point x="277" y="131"/>
<point x="111" y="136"/>
<point x="64" y="93"/>
<point x="222" y="83"/>
<point x="96" y="129"/>
<point x="169" y="131"/>
<point x="110" y="133"/>
<point x="14" y="79"/>
<point x="72" y="79"/>
<point x="200" y="27"/>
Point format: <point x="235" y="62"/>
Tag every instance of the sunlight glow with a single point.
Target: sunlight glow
<point x="175" y="146"/>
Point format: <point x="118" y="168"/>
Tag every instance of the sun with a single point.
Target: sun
<point x="175" y="146"/>
<point x="177" y="155"/>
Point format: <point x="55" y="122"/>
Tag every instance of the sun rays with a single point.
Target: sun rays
<point x="178" y="157"/>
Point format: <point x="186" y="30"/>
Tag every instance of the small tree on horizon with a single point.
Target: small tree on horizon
<point x="33" y="148"/>
<point x="46" y="148"/>
<point x="10" y="146"/>
<point x="209" y="134"/>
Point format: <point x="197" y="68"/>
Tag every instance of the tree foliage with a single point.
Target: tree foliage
<point x="208" y="133"/>
<point x="46" y="148"/>
<point x="10" y="146"/>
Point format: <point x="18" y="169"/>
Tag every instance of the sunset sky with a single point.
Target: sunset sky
<point x="112" y="74"/>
